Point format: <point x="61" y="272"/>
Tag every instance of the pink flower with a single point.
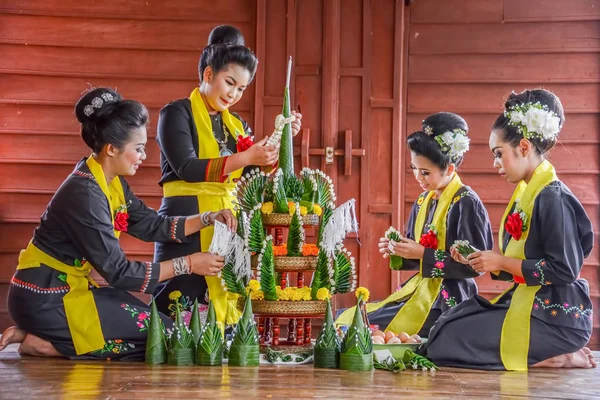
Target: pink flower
<point x="142" y="316"/>
<point x="140" y="325"/>
<point x="439" y="265"/>
<point x="535" y="274"/>
<point x="536" y="306"/>
<point x="122" y="305"/>
<point x="187" y="317"/>
<point x="566" y="305"/>
<point x="445" y="294"/>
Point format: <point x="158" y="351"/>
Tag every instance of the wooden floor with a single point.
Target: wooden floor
<point x="36" y="378"/>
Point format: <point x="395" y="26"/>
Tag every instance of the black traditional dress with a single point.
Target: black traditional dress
<point x="192" y="161"/>
<point x="465" y="219"/>
<point x="550" y="312"/>
<point x="51" y="294"/>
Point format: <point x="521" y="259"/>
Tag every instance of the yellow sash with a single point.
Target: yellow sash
<point x="514" y="340"/>
<point x="212" y="196"/>
<point x="80" y="306"/>
<point x="420" y="292"/>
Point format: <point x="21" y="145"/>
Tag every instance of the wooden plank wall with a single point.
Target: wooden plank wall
<point x="51" y="51"/>
<point x="467" y="55"/>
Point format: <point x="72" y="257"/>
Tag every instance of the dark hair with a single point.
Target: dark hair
<point x="425" y="145"/>
<point x="106" y="117"/>
<point x="219" y="56"/>
<point x="511" y="135"/>
<point x="226" y="34"/>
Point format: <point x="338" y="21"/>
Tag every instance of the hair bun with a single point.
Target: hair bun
<point x="226" y="35"/>
<point x="96" y="104"/>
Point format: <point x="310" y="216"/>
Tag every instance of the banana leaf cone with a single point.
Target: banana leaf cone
<point x="357" y="347"/>
<point x="396" y="263"/>
<point x="244" y="350"/>
<point x="327" y="347"/>
<point x="156" y="345"/>
<point x="181" y="343"/>
<point x="210" y="347"/>
<point x="286" y="152"/>
<point x="195" y="323"/>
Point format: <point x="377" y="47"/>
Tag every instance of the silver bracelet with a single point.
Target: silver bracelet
<point x="181" y="266"/>
<point x="205" y="218"/>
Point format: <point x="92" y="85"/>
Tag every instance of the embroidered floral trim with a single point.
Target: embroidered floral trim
<point x="37" y="289"/>
<point x="84" y="174"/>
<point x="421" y="199"/>
<point x="539" y="274"/>
<point x="183" y="302"/>
<point x="438" y="266"/>
<point x="576" y="311"/>
<point x="450" y="301"/>
<point x="116" y="346"/>
<point x="174" y="229"/>
<point x="143" y="318"/>
<point x="147" y="278"/>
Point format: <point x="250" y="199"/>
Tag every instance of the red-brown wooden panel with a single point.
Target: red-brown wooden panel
<point x="501" y="68"/>
<point x="224" y="10"/>
<point x="275" y="63"/>
<point x="382" y="77"/>
<point x="582" y="128"/>
<point x="78" y="62"/>
<point x="110" y="33"/>
<point x="380" y="157"/>
<point x="489" y="98"/>
<point x="549" y="10"/>
<point x="351" y="32"/>
<point x="456" y="11"/>
<point x="309" y="38"/>
<point x="540" y="37"/>
<point x="39" y="89"/>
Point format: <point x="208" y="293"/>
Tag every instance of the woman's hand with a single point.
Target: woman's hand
<point x="456" y="256"/>
<point x="384" y="244"/>
<point x="206" y="264"/>
<point x="297" y="124"/>
<point x="226" y="217"/>
<point x="261" y="155"/>
<point x="407" y="248"/>
<point x="485" y="261"/>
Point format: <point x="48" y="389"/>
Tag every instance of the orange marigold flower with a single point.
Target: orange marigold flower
<point x="554" y="313"/>
<point x="280" y="250"/>
<point x="547" y="301"/>
<point x="310" y="250"/>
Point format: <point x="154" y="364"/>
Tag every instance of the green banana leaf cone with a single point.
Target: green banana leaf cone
<point x="156" y="346"/>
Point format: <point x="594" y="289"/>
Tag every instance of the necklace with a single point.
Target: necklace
<point x="223" y="149"/>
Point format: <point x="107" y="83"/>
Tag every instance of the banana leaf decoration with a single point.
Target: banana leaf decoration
<point x="357" y="346"/>
<point x="266" y="270"/>
<point x="396" y="262"/>
<point x="195" y="323"/>
<point x="181" y="343"/>
<point x="321" y="275"/>
<point x="286" y="151"/>
<point x="156" y="346"/>
<point x="327" y="346"/>
<point x="210" y="347"/>
<point x="244" y="349"/>
<point x="296" y="234"/>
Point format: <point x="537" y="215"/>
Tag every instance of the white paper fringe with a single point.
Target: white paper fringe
<point x="342" y="222"/>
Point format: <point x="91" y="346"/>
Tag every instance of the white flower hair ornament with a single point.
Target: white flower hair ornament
<point x="454" y="143"/>
<point x="534" y="120"/>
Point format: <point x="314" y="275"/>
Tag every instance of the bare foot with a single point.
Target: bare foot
<point x="35" y="346"/>
<point x="12" y="335"/>
<point x="580" y="359"/>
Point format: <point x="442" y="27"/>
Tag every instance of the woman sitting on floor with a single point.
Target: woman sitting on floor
<point x="445" y="212"/>
<point x="59" y="310"/>
<point x="545" y="318"/>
